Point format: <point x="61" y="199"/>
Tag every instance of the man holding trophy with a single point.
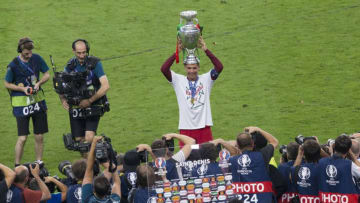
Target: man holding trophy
<point x="193" y="90"/>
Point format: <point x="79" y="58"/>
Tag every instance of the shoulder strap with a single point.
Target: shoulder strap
<point x="71" y="64"/>
<point x="91" y="62"/>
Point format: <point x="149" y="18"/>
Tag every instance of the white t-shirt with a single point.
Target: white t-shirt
<point x="194" y="111"/>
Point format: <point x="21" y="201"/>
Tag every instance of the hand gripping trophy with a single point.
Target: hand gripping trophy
<point x="189" y="32"/>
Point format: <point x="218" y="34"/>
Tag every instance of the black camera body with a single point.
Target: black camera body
<point x="283" y="149"/>
<point x="170" y="144"/>
<point x="71" y="144"/>
<point x="43" y="172"/>
<point x="300" y="139"/>
<point x="102" y="149"/>
<point x="73" y="86"/>
<point x="65" y="168"/>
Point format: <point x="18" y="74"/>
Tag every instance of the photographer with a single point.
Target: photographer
<point x="251" y="167"/>
<point x="6" y="179"/>
<point x="305" y="176"/>
<point x="74" y="193"/>
<point x="160" y="150"/>
<point x="128" y="178"/>
<point x="145" y="183"/>
<point x="19" y="191"/>
<point x="99" y="189"/>
<point x="86" y="125"/>
<point x="55" y="197"/>
<point x="27" y="98"/>
<point x="285" y="168"/>
<point x="336" y="173"/>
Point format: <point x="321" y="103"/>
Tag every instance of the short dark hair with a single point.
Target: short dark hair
<point x="292" y="150"/>
<point x="342" y="144"/>
<point x="244" y="140"/>
<point x="102" y="186"/>
<point x="311" y="151"/>
<point x="208" y="151"/>
<point x="21" y="177"/>
<point x="78" y="168"/>
<point x="25" y="43"/>
<point x="145" y="176"/>
<point x="158" y="147"/>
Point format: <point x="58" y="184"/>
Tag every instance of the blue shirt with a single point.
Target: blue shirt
<point x="87" y="196"/>
<point x="55" y="198"/>
<point x="10" y="76"/>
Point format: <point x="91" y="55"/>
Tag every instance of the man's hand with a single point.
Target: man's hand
<point x="202" y="44"/>
<point x="49" y="179"/>
<point x="65" y="104"/>
<point x="217" y="141"/>
<point x="26" y="90"/>
<point x="143" y="147"/>
<point x="169" y="136"/>
<point x="251" y="129"/>
<point x="96" y="139"/>
<point x="179" y="45"/>
<point x="84" y="103"/>
<point x="37" y="86"/>
<point x="35" y="171"/>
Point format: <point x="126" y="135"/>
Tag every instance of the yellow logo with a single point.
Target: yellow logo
<point x="21" y="85"/>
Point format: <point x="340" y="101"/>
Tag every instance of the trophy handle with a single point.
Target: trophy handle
<point x="196" y="20"/>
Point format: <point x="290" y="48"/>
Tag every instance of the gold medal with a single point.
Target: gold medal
<point x="21" y="85"/>
<point x="192" y="100"/>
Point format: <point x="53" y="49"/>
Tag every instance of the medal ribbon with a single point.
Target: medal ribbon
<point x="192" y="87"/>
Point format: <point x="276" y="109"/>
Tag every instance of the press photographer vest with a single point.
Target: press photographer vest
<point x="251" y="181"/>
<point x="336" y="184"/>
<point x="25" y="105"/>
<point x="306" y="179"/>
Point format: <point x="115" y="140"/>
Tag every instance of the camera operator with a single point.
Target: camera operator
<point x="27" y="98"/>
<point x="74" y="193"/>
<point x="81" y="125"/>
<point x="20" y="193"/>
<point x="101" y="190"/>
<point x="145" y="182"/>
<point x="160" y="150"/>
<point x="336" y="173"/>
<point x="251" y="167"/>
<point x="6" y="179"/>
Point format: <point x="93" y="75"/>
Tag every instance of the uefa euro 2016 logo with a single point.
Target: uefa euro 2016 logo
<point x="331" y="171"/>
<point x="132" y="178"/>
<point x="202" y="169"/>
<point x="304" y="173"/>
<point x="224" y="155"/>
<point x="160" y="163"/>
<point x="244" y="160"/>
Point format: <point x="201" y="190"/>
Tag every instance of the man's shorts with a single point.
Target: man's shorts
<point x="39" y="120"/>
<point x="80" y="125"/>
<point x="200" y="135"/>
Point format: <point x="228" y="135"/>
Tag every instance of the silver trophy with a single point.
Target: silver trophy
<point x="189" y="33"/>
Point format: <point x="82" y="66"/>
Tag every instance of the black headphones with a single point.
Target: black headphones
<point x="19" y="49"/>
<point x="86" y="44"/>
